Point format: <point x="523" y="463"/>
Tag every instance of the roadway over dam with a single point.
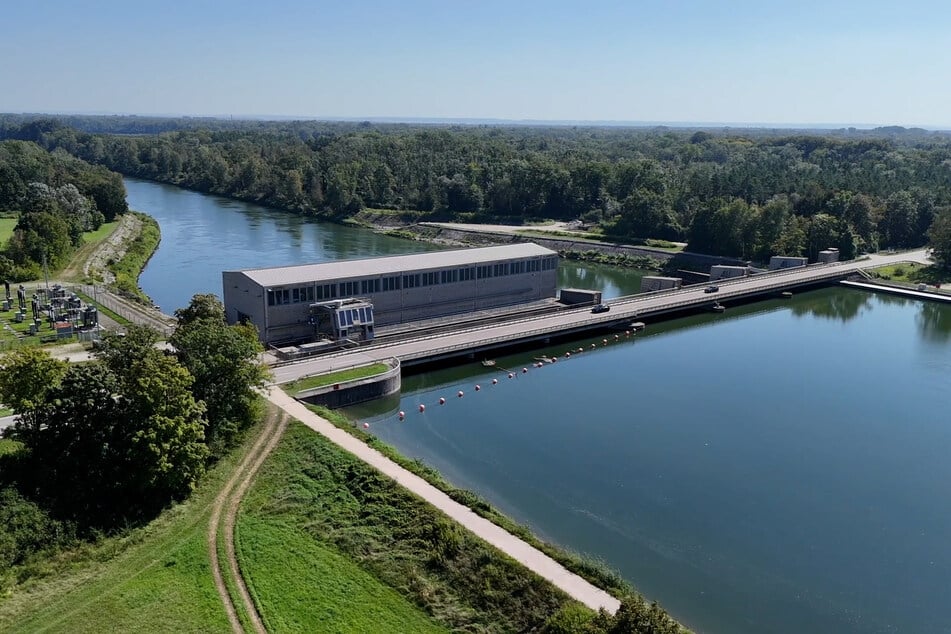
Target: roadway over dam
<point x="477" y="339"/>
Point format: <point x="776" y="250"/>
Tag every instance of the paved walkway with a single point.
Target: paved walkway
<point x="531" y="557"/>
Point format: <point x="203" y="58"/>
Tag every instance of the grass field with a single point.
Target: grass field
<point x="157" y="578"/>
<point x="6" y="229"/>
<point x="310" y="382"/>
<point x="304" y="586"/>
<point x="911" y="273"/>
<point x="315" y="509"/>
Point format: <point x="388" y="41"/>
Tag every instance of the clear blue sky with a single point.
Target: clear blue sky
<point x="744" y="61"/>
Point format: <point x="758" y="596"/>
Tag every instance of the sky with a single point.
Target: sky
<point x="690" y="61"/>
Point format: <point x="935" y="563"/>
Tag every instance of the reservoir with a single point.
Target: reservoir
<point x="781" y="467"/>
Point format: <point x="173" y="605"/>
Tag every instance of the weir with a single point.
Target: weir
<point x="520" y="330"/>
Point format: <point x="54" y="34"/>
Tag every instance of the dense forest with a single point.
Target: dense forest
<point x="741" y="193"/>
<point x="55" y="198"/>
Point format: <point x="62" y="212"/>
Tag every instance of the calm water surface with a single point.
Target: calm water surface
<point x="778" y="468"/>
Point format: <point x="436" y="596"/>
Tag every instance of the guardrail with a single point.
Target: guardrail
<point x="631" y="306"/>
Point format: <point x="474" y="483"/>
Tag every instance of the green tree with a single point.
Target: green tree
<point x="120" y="351"/>
<point x="939" y="237"/>
<point x="27" y="376"/>
<point x="202" y="306"/>
<point x="224" y="361"/>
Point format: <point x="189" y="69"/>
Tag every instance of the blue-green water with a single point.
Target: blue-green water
<point x="778" y="468"/>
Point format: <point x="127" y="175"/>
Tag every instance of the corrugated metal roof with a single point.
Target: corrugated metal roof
<point x="367" y="267"/>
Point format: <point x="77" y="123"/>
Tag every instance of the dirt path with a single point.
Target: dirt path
<point x="222" y="523"/>
<point x="529" y="556"/>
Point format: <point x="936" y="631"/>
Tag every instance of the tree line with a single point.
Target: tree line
<point x="55" y="197"/>
<point x="740" y="193"/>
<point x="110" y="443"/>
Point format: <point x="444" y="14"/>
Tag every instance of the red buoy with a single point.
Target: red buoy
<point x="442" y="401"/>
<point x="366" y="425"/>
<point x="422" y="407"/>
<point x="402" y="414"/>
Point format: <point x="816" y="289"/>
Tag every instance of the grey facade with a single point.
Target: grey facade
<point x="401" y="288"/>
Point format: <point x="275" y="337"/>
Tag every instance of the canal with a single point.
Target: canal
<point x="777" y="468"/>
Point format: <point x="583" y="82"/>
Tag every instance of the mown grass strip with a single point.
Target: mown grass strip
<point x="305" y="586"/>
<point x="156" y="578"/>
<point x="320" y="380"/>
<point x="313" y="499"/>
<point x="7" y="224"/>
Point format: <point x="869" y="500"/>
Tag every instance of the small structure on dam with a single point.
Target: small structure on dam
<point x="722" y="272"/>
<point x="651" y="283"/>
<point x="786" y="262"/>
<point x="282" y="301"/>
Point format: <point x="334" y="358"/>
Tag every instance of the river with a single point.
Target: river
<point x="781" y="467"/>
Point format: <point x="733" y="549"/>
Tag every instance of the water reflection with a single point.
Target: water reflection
<point x="611" y="280"/>
<point x="843" y="305"/>
<point x="934" y="320"/>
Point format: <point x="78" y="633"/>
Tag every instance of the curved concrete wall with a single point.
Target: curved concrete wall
<point x="357" y="390"/>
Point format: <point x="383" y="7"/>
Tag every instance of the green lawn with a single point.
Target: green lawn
<point x="304" y="586"/>
<point x="320" y="380"/>
<point x="155" y="579"/>
<point x="319" y="526"/>
<point x="6" y="229"/>
<point x="911" y="273"/>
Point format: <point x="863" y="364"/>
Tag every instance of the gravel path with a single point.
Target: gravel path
<point x="527" y="555"/>
<point x="223" y="517"/>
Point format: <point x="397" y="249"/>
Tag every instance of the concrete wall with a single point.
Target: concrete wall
<point x="786" y="262"/>
<point x="657" y="283"/>
<point x="720" y="272"/>
<point x="357" y="391"/>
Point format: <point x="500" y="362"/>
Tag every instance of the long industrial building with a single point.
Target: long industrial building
<point x="294" y="303"/>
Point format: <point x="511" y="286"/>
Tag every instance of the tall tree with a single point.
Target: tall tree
<point x="224" y="361"/>
<point x="939" y="237"/>
<point x="27" y="377"/>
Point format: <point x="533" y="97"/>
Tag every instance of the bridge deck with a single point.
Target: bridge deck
<point x="482" y="338"/>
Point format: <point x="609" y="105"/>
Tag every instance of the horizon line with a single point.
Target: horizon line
<point x="498" y="121"/>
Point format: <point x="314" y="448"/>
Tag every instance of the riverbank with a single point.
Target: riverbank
<point x="570" y="244"/>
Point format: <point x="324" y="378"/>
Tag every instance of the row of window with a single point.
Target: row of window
<point x="413" y="280"/>
<point x="298" y="295"/>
